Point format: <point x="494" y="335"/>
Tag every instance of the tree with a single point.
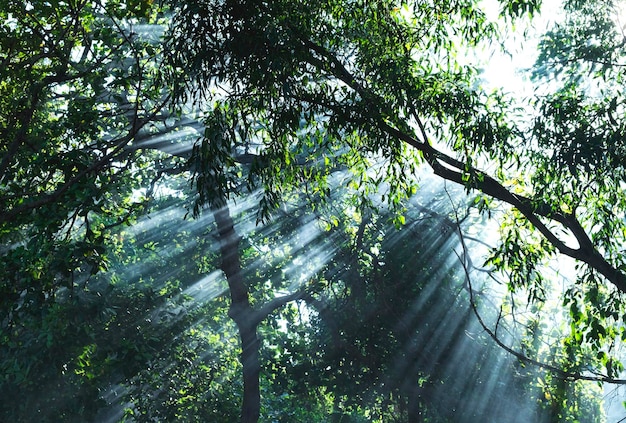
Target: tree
<point x="213" y="184"/>
<point x="579" y="121"/>
<point x="78" y="89"/>
<point x="379" y="88"/>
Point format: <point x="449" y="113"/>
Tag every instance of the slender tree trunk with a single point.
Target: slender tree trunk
<point x="242" y="313"/>
<point x="251" y="405"/>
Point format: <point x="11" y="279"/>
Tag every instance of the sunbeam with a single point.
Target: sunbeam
<point x="298" y="211"/>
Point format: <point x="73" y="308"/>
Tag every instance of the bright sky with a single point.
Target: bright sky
<point x="507" y="71"/>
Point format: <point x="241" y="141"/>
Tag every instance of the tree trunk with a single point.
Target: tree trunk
<point x="242" y="313"/>
<point x="251" y="405"/>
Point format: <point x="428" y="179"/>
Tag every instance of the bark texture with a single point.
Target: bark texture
<point x="242" y="313"/>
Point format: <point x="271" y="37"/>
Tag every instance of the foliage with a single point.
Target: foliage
<point x="578" y="166"/>
<point x="394" y="328"/>
<point x="326" y="109"/>
<point x="78" y="86"/>
<point x="379" y="88"/>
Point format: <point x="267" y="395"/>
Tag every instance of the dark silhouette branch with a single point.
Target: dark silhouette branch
<point x="556" y="371"/>
<point x="533" y="210"/>
<point x="106" y="160"/>
<point x="460" y="172"/>
<point x="278" y="302"/>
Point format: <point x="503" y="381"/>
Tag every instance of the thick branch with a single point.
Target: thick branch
<point x="455" y="171"/>
<point x="231" y="265"/>
<point x="278" y="302"/>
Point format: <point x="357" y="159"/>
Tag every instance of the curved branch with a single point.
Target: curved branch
<point x="278" y="302"/>
<point x="558" y="372"/>
<point x="121" y="147"/>
<point x="454" y="170"/>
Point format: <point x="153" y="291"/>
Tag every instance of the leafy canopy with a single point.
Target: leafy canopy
<point x="291" y="93"/>
<point x="381" y="88"/>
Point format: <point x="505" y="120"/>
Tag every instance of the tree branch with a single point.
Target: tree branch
<point x="454" y="170"/>
<point x="278" y="302"/>
<point x="458" y="171"/>
<point x="558" y="372"/>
